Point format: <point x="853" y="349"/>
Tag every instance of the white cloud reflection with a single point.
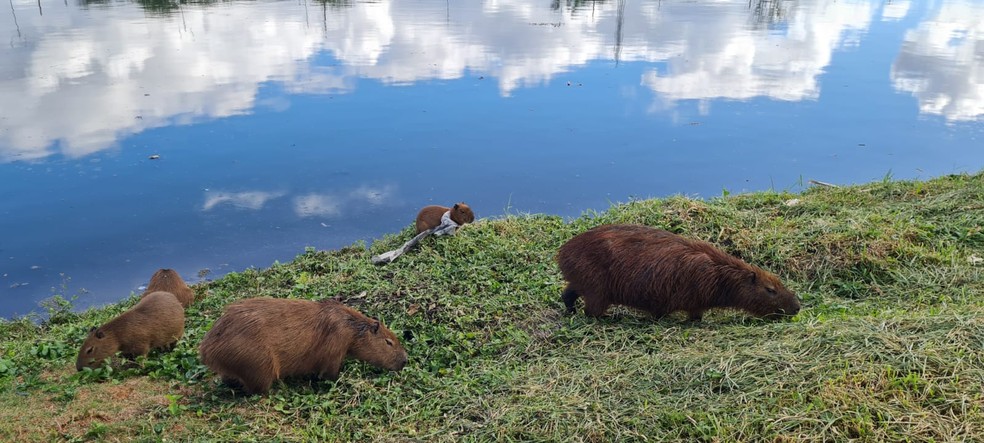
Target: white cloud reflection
<point x="317" y="205"/>
<point x="739" y="62"/>
<point x="942" y="62"/>
<point x="254" y="200"/>
<point x="83" y="79"/>
<point x="332" y="205"/>
<point x="306" y="205"/>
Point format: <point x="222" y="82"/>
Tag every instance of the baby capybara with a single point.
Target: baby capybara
<point x="168" y="280"/>
<point x="661" y="272"/>
<point x="156" y="321"/>
<point x="430" y="216"/>
<point x="259" y="340"/>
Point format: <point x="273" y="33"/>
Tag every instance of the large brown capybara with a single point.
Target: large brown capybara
<point x="168" y="280"/>
<point x="430" y="216"/>
<point x="661" y="273"/>
<point x="259" y="340"/>
<point x="156" y="321"/>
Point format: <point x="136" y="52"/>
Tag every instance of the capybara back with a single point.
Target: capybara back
<point x="168" y="280"/>
<point x="661" y="272"/>
<point x="156" y="321"/>
<point x="259" y="340"/>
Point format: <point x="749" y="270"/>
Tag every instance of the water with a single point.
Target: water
<point x="280" y="125"/>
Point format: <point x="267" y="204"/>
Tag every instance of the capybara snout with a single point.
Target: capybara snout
<point x="773" y="300"/>
<point x="380" y="347"/>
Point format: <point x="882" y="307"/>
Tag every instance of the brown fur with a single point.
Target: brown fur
<point x="259" y="340"/>
<point x="168" y="280"/>
<point x="430" y="216"/>
<point x="156" y="321"/>
<point x="661" y="272"/>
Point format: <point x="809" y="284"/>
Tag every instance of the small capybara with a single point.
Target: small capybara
<point x="430" y="216"/>
<point x="156" y="321"/>
<point x="259" y="340"/>
<point x="168" y="280"/>
<point x="661" y="273"/>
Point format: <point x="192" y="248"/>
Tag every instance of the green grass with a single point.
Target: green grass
<point x="889" y="345"/>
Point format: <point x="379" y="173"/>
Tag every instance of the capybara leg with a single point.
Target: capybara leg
<point x="257" y="384"/>
<point x="695" y="316"/>
<point x="232" y="382"/>
<point x="332" y="370"/>
<point x="569" y="297"/>
<point x="595" y="307"/>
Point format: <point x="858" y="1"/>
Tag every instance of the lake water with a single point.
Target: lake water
<point x="280" y="125"/>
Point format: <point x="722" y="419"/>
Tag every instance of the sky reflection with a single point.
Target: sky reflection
<point x="83" y="79"/>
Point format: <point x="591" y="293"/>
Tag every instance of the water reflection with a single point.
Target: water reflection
<point x="942" y="62"/>
<point x="188" y="62"/>
<point x="254" y="200"/>
<point x="333" y="205"/>
<point x="737" y="63"/>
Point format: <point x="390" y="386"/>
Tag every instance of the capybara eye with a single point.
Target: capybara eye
<point x="771" y="290"/>
<point x="389" y="342"/>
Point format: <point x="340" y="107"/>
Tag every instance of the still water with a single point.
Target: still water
<point x="280" y="125"/>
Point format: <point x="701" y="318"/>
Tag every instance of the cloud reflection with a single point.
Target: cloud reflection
<point x="243" y="200"/>
<point x="332" y="205"/>
<point x="942" y="62"/>
<point x="738" y="63"/>
<point x="84" y="79"/>
<point x="316" y="204"/>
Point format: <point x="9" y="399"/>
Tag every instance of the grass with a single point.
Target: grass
<point x="889" y="345"/>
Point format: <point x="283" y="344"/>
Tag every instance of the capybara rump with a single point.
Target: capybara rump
<point x="168" y="280"/>
<point x="259" y="340"/>
<point x="661" y="272"/>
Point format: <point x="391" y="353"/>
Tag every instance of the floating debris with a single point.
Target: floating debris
<point x="35" y="267"/>
<point x="154" y="157"/>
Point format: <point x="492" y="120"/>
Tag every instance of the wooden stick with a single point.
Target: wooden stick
<point x="820" y="183"/>
<point x="389" y="256"/>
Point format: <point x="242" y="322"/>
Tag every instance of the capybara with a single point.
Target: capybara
<point x="430" y="216"/>
<point x="168" y="280"/>
<point x="156" y="321"/>
<point x="259" y="340"/>
<point x="661" y="272"/>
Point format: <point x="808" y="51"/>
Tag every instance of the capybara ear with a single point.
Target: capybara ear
<point x="753" y="277"/>
<point x="456" y="205"/>
<point x="92" y="329"/>
<point x="100" y="334"/>
<point x="375" y="327"/>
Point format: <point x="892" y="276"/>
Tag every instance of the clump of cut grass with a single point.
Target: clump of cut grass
<point x="889" y="345"/>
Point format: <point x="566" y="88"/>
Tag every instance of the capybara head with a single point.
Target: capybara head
<point x="462" y="214"/>
<point x="96" y="347"/>
<point x="375" y="344"/>
<point x="762" y="294"/>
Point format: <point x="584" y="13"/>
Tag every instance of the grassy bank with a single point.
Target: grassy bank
<point x="889" y="345"/>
